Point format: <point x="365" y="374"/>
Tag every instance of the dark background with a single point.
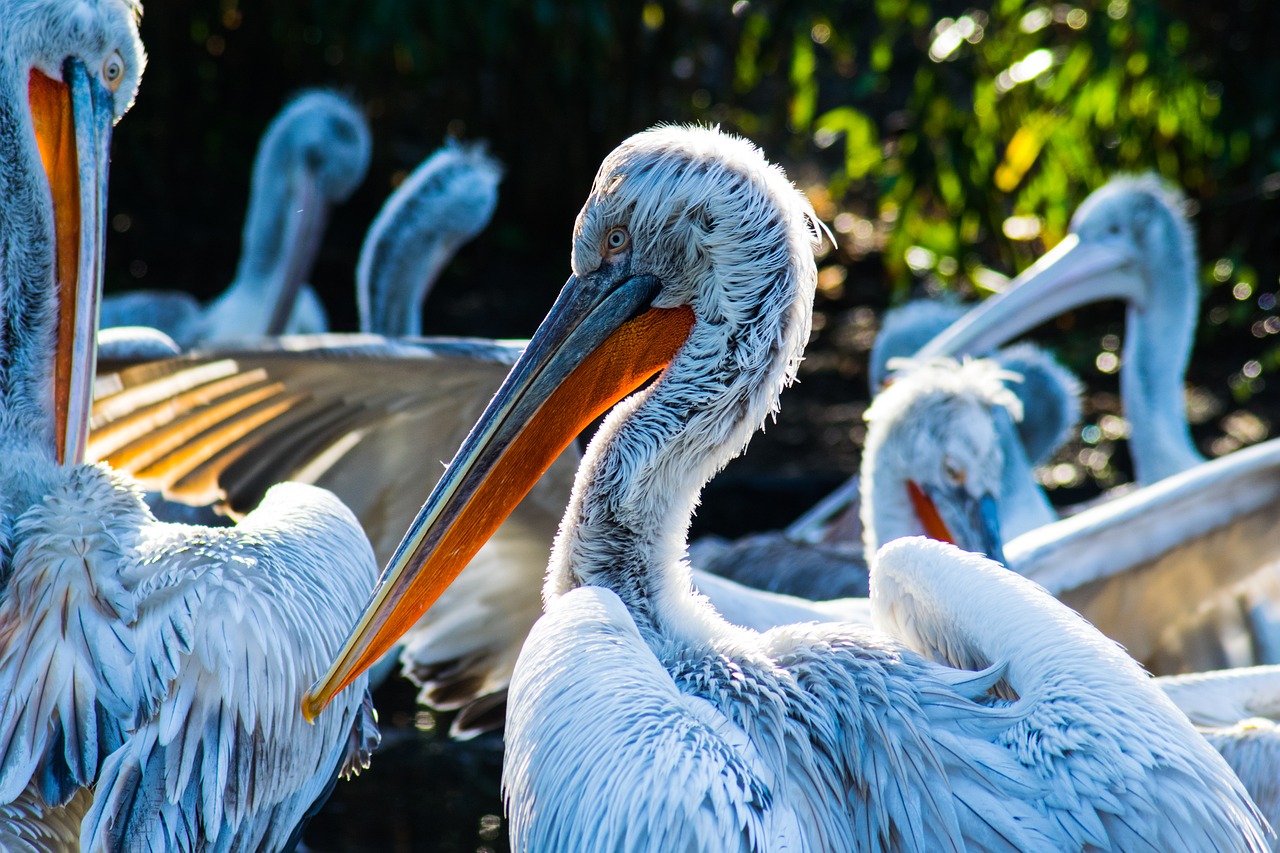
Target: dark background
<point x="896" y="148"/>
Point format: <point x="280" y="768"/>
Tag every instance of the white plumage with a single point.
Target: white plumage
<point x="157" y="666"/>
<point x="639" y="719"/>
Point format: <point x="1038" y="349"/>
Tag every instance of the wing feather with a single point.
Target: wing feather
<point x="374" y="422"/>
<point x="263" y="605"/>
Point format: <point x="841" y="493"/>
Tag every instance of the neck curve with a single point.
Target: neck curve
<point x="395" y="276"/>
<point x="1157" y="347"/>
<point x="627" y="522"/>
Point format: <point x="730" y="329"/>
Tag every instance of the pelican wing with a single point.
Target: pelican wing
<point x="27" y="825"/>
<point x="1224" y="697"/>
<point x="1152" y="567"/>
<point x="1086" y="713"/>
<point x="375" y="422"/>
<point x="223" y="425"/>
<point x="257" y="611"/>
<point x="596" y="719"/>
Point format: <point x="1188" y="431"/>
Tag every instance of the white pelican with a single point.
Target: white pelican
<point x="314" y="154"/>
<point x="975" y="410"/>
<point x="693" y="257"/>
<point x="1049" y="393"/>
<point x="448" y="200"/>
<point x="149" y="673"/>
<point x="932" y="465"/>
<point x="1128" y="240"/>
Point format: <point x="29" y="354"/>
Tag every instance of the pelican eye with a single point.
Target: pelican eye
<point x="113" y="71"/>
<point x="954" y="472"/>
<point x="616" y="240"/>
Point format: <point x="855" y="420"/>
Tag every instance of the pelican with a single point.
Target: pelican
<point x="934" y="450"/>
<point x="932" y="465"/>
<point x="1128" y="240"/>
<point x="448" y="200"/>
<point x="314" y="154"/>
<point x="934" y="393"/>
<point x="693" y="258"/>
<point x="149" y="673"/>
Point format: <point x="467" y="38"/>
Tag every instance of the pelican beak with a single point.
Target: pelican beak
<point x="72" y="119"/>
<point x="952" y="514"/>
<point x="308" y="215"/>
<point x="1075" y="273"/>
<point x="601" y="340"/>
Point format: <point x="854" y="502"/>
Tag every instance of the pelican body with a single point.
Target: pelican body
<point x="693" y="258"/>
<point x="148" y="672"/>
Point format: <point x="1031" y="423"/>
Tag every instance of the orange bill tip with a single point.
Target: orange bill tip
<point x="927" y="512"/>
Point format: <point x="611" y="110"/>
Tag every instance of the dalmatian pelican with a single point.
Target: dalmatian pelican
<point x="1129" y="240"/>
<point x="693" y="259"/>
<point x="932" y="462"/>
<point x="313" y="155"/>
<point x="149" y="673"/>
<point x="445" y="202"/>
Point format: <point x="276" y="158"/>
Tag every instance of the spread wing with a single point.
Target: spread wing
<point x="374" y="421"/>
<point x="246" y="618"/>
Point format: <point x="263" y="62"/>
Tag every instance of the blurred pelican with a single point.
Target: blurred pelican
<point x="693" y="257"/>
<point x="1129" y="240"/>
<point x="149" y="673"/>
<point x="314" y="154"/>
<point x="791" y="562"/>
<point x="448" y="200"/>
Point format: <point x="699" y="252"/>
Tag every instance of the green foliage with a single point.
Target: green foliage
<point x="1016" y="110"/>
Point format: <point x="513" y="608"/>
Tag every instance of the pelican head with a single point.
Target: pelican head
<point x="448" y="200"/>
<point x="69" y="69"/>
<point x="692" y="256"/>
<point x="313" y="155"/>
<point x="1129" y="240"/>
<point x="934" y="459"/>
<point x="1126" y="239"/>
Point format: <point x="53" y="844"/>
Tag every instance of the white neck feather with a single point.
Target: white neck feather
<point x="627" y="522"/>
<point x="1158" y="339"/>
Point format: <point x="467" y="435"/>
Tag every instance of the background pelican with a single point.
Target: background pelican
<point x="1129" y="240"/>
<point x="936" y="406"/>
<point x="693" y="256"/>
<point x="447" y="200"/>
<point x="314" y="154"/>
<point x="158" y="664"/>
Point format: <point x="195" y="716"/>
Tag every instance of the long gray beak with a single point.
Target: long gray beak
<point x="1075" y="273"/>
